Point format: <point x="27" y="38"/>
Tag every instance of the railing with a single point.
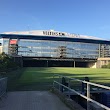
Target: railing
<point x="80" y="94"/>
<point x="3" y="86"/>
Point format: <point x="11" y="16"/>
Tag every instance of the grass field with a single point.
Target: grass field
<point x="41" y="78"/>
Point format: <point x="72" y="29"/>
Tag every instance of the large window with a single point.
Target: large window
<point x="44" y="48"/>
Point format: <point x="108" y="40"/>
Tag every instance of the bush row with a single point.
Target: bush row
<point x="106" y="66"/>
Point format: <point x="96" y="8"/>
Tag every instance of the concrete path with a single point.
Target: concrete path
<point x="32" y="100"/>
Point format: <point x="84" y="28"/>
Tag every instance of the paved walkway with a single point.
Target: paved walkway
<point x="32" y="100"/>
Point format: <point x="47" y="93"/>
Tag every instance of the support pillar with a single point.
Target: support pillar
<point x="21" y="59"/>
<point x="74" y="64"/>
<point x="47" y="63"/>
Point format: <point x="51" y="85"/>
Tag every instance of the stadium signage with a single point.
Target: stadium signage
<point x="13" y="41"/>
<point x="51" y="33"/>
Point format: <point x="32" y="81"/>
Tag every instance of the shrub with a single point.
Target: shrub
<point x="106" y="66"/>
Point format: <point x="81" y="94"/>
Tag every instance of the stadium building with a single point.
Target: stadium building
<point x="41" y="48"/>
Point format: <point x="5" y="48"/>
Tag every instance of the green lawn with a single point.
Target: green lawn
<point x="39" y="78"/>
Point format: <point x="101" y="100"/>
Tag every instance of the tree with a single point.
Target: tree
<point x="6" y="63"/>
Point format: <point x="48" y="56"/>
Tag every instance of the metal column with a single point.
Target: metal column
<point x="74" y="64"/>
<point x="47" y="63"/>
<point x="88" y="95"/>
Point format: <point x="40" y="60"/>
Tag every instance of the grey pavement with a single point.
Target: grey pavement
<point x="32" y="100"/>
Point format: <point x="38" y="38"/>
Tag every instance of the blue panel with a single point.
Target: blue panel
<point x="106" y="98"/>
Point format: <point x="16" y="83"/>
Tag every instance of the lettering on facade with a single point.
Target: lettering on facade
<point x="50" y="33"/>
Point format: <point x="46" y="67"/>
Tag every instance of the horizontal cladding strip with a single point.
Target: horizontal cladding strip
<point x="82" y="60"/>
<point x="57" y="58"/>
<point x="56" y="49"/>
<point x="83" y="55"/>
<point x="56" y="52"/>
<point x="52" y="57"/>
<point x="54" y="38"/>
<point x="31" y="47"/>
<point x="37" y="52"/>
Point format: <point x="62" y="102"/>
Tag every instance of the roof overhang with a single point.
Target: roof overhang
<point x="52" y="33"/>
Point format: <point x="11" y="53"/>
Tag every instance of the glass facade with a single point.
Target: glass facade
<point x="1" y="43"/>
<point x="52" y="47"/>
<point x="57" y="49"/>
<point x="6" y="45"/>
<point x="104" y="50"/>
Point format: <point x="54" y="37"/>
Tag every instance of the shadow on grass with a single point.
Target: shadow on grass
<point x="42" y="78"/>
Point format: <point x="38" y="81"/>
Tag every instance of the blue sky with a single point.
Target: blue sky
<point x="86" y="17"/>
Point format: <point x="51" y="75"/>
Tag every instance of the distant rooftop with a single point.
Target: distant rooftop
<point x="52" y="33"/>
